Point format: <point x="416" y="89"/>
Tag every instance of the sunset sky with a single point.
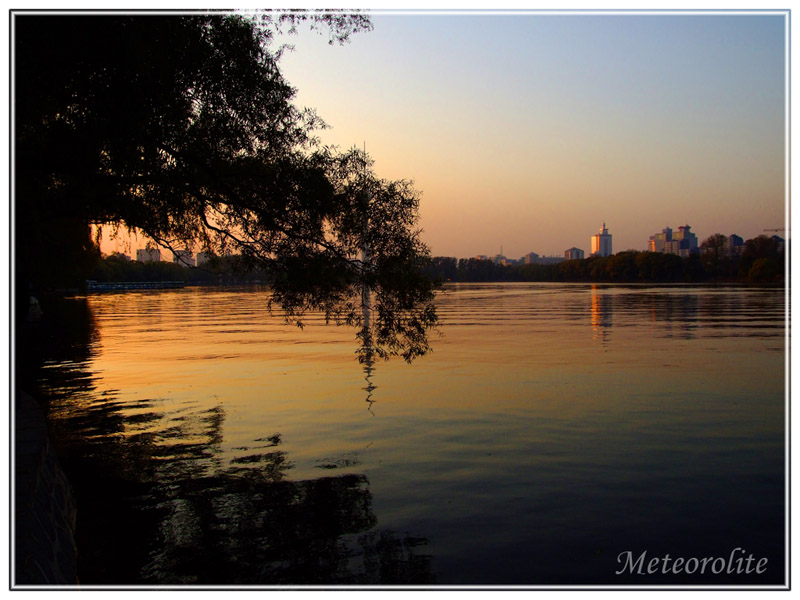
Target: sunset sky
<point x="529" y="130"/>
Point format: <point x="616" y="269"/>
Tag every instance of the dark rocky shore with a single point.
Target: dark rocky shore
<point x="44" y="510"/>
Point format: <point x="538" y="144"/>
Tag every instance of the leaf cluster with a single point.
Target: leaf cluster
<point x="183" y="128"/>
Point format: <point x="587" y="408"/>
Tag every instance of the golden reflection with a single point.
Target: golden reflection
<point x="225" y="447"/>
<point x="601" y="316"/>
<point x="198" y="500"/>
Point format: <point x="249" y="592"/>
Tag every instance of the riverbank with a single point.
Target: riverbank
<point x="117" y="286"/>
<point x="44" y="505"/>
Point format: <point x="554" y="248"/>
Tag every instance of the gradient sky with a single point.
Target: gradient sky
<point x="529" y="130"/>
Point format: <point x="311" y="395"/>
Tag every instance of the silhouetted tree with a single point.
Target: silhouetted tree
<point x="713" y="255"/>
<point x="442" y="268"/>
<point x="474" y="269"/>
<point x="622" y="267"/>
<point x="183" y="128"/>
<point x="659" y="266"/>
<point x="597" y="268"/>
<point x="573" y="270"/>
<point x="693" y="269"/>
<point x="762" y="259"/>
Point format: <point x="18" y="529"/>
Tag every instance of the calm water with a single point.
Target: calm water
<point x="553" y="428"/>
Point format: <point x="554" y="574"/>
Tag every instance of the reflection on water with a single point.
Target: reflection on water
<point x="207" y="520"/>
<point x="601" y="315"/>
<point x="161" y="501"/>
<point x="370" y="388"/>
<point x="552" y="428"/>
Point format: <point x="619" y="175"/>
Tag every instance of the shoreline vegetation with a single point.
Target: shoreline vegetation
<point x="624" y="267"/>
<point x="762" y="261"/>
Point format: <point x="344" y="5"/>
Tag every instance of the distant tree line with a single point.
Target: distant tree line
<point x="227" y="270"/>
<point x="762" y="261"/>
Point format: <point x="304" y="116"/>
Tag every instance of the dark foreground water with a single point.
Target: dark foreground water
<point x="553" y="430"/>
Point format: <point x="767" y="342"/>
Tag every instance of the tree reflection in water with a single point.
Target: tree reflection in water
<point x="158" y="503"/>
<point x="370" y="387"/>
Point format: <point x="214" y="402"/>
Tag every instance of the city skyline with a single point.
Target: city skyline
<point x="526" y="129"/>
<point x="128" y="247"/>
<point x="554" y="123"/>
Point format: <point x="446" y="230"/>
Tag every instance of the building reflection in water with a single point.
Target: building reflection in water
<point x="674" y="315"/>
<point x="601" y="315"/>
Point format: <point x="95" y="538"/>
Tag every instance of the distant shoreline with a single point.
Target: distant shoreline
<point x="103" y="286"/>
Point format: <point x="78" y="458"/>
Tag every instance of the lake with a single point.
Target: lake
<point x="554" y="428"/>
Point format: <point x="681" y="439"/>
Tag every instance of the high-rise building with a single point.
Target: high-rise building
<point x="148" y="255"/>
<point x="734" y="245"/>
<point x="686" y="236"/>
<point x="183" y="258"/>
<point x="601" y="242"/>
<point x="530" y="258"/>
<point x="658" y="242"/>
<point x="682" y="242"/>
<point x="573" y="254"/>
<point x="780" y="242"/>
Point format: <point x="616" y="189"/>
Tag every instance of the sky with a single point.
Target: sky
<point x="527" y="131"/>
